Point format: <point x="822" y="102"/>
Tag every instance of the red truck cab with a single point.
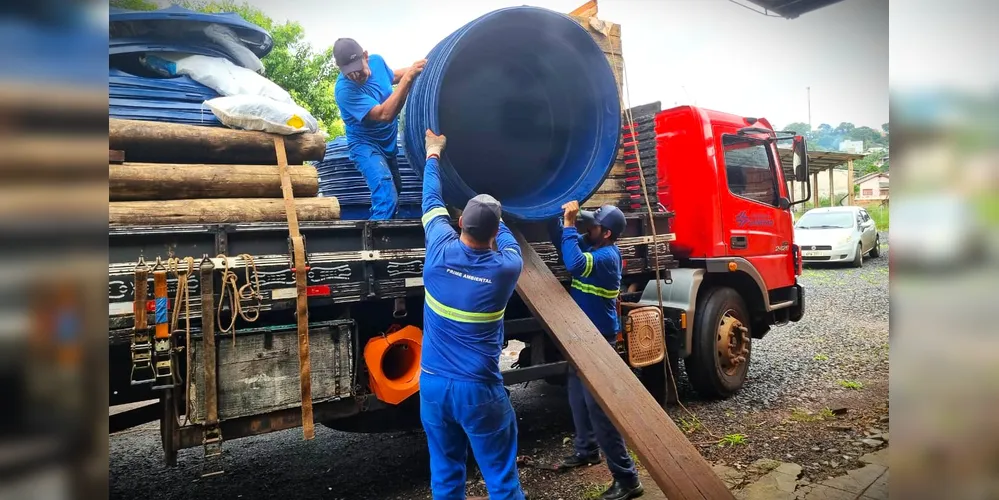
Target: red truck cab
<point x="721" y="176"/>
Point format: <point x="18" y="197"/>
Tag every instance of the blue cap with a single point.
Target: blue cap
<point x="608" y="217"/>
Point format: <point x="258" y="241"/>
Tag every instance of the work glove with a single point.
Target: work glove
<point x="435" y="143"/>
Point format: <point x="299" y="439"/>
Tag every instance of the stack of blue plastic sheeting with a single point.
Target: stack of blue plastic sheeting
<point x="339" y="177"/>
<point x="175" y="100"/>
<point x="135" y="93"/>
<point x="177" y="25"/>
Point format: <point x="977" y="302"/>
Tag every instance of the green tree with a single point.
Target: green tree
<point x="799" y="128"/>
<point x="845" y="128"/>
<point x="870" y="164"/>
<point x="306" y="73"/>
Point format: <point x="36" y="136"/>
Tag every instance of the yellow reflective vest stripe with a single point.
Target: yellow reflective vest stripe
<point x="434" y="212"/>
<point x="462" y="316"/>
<point x="594" y="290"/>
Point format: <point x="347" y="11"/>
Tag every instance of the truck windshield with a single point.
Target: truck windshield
<point x="825" y="220"/>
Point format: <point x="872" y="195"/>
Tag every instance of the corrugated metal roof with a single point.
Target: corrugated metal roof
<point x="791" y="9"/>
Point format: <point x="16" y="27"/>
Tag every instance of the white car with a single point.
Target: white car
<point x="837" y="234"/>
<point x="938" y="231"/>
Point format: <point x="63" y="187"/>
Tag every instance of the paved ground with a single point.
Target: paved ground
<point x="817" y="398"/>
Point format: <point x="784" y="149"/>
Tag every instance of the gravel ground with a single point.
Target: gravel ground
<point x="816" y="390"/>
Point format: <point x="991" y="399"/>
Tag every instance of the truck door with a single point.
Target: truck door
<point x="755" y="227"/>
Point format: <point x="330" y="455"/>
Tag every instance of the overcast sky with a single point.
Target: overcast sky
<point x="712" y="53"/>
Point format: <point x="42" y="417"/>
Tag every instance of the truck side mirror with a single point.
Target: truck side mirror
<point x="799" y="159"/>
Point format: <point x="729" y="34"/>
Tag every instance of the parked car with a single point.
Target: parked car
<point x="938" y="232"/>
<point x="837" y="234"/>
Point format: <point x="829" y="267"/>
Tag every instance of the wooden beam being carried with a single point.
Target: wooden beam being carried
<point x="675" y="465"/>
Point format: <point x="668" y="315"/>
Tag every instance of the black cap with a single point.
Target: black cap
<point x="349" y="55"/>
<point x="481" y="217"/>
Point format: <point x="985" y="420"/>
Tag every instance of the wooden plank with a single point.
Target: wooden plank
<point x="619" y="185"/>
<point x="614" y="29"/>
<point x="209" y="363"/>
<point x="219" y="211"/>
<point x="588" y="9"/>
<point x="673" y="462"/>
<point x="260" y="374"/>
<point x="167" y="181"/>
<point x="301" y="283"/>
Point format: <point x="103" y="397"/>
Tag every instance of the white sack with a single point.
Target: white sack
<point x="250" y="112"/>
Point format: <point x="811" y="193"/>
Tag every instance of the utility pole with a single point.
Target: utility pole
<point x="809" y="90"/>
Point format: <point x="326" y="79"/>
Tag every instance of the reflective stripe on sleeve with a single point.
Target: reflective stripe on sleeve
<point x="434" y="212"/>
<point x="588" y="268"/>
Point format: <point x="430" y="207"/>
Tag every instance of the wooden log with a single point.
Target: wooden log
<point x="151" y="181"/>
<point x="219" y="211"/>
<point x="675" y="465"/>
<point x="156" y="142"/>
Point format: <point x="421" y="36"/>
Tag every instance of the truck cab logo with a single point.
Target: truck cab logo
<point x="743" y="219"/>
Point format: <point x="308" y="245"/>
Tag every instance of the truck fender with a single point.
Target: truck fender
<point x="681" y="295"/>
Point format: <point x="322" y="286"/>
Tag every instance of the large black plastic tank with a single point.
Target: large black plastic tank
<point x="530" y="108"/>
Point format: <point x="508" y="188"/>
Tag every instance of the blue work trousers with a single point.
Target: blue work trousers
<point x="381" y="173"/>
<point x="456" y="413"/>
<point x="595" y="431"/>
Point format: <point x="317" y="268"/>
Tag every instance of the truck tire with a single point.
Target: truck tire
<point x="719" y="359"/>
<point x="858" y="259"/>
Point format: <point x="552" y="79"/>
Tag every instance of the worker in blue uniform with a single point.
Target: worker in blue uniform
<point x="468" y="279"/>
<point x="594" y="261"/>
<point x="370" y="111"/>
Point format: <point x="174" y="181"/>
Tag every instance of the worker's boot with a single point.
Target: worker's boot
<point x="622" y="491"/>
<point x="577" y="460"/>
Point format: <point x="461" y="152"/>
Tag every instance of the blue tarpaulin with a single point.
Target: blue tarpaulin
<point x="175" y="100"/>
<point x="339" y="177"/>
<point x="136" y="93"/>
<point x="179" y="25"/>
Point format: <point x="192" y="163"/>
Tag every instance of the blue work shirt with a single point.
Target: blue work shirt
<point x="466" y="293"/>
<point x="596" y="279"/>
<point x="355" y="101"/>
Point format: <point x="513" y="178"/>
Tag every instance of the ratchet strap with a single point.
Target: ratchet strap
<point x="142" y="346"/>
<point x="299" y="267"/>
<point x="212" y="438"/>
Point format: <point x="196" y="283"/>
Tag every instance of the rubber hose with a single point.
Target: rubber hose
<point x="530" y="108"/>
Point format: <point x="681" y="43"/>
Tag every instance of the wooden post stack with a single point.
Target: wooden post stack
<point x="185" y="174"/>
<point x="623" y="186"/>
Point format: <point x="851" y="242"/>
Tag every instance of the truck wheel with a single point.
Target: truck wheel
<point x="858" y="259"/>
<point x="719" y="359"/>
<point x="876" y="251"/>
